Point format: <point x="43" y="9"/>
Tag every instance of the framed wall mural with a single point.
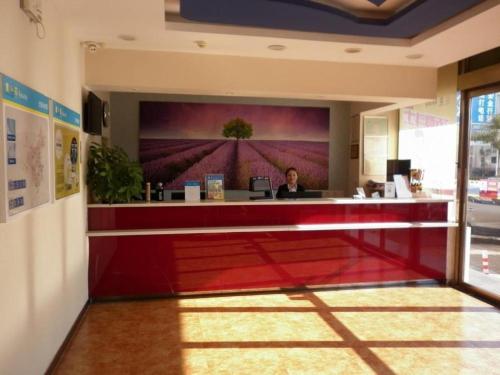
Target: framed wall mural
<point x="185" y="141"/>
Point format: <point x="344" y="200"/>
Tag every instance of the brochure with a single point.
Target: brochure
<point x="402" y="186"/>
<point x="214" y="184"/>
<point x="192" y="191"/>
<point x="389" y="190"/>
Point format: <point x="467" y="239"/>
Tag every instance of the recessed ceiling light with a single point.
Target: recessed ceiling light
<point x="276" y="47"/>
<point x="352" y="50"/>
<point x="126" y="37"/>
<point x="415" y="56"/>
<point x="92" y="46"/>
<point x="200" y="43"/>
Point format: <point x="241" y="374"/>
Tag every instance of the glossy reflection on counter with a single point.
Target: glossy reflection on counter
<point x="155" y="217"/>
<point x="169" y="264"/>
<point x="392" y="330"/>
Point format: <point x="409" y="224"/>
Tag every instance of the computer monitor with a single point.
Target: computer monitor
<point x="300" y="194"/>
<point x="261" y="184"/>
<point x="397" y="166"/>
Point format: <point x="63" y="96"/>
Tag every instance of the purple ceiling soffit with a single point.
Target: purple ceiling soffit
<point x="304" y="15"/>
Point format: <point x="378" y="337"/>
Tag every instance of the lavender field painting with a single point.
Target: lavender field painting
<point x="185" y="141"/>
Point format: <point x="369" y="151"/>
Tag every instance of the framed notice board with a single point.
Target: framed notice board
<point x="375" y="144"/>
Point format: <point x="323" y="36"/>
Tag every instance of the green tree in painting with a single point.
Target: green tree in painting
<point x="237" y="128"/>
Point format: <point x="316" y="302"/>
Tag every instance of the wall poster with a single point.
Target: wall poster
<point x="66" y="151"/>
<point x="25" y="138"/>
<point x="184" y="141"/>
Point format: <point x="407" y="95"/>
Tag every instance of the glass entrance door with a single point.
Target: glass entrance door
<point x="481" y="265"/>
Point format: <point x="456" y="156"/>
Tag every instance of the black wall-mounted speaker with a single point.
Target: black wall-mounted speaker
<point x="92" y="123"/>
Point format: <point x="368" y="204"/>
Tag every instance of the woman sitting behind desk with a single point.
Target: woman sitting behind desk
<point x="291" y="185"/>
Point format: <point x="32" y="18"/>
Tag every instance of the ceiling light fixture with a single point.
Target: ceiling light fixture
<point x="352" y="50"/>
<point x="92" y="46"/>
<point x="127" y="37"/>
<point x="276" y="47"/>
<point x="415" y="56"/>
<point x="200" y="43"/>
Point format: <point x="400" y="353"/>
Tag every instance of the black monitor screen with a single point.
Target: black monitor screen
<point x="260" y="184"/>
<point x="396" y="166"/>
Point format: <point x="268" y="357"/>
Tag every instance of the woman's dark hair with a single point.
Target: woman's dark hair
<point x="290" y="169"/>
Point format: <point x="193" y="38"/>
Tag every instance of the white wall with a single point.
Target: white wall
<point x="125" y="124"/>
<point x="202" y="74"/>
<point x="43" y="254"/>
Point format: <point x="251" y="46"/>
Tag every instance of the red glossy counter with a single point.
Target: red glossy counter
<point x="139" y="250"/>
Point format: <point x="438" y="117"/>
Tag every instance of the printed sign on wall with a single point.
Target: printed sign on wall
<point x="26" y="140"/>
<point x="66" y="150"/>
<point x="483" y="108"/>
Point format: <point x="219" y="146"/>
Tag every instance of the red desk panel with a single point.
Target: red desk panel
<point x="167" y="264"/>
<point x="157" y="217"/>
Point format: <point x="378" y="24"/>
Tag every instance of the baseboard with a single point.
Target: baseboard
<point x="244" y="292"/>
<point x="57" y="357"/>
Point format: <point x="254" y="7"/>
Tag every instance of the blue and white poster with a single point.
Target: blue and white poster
<point x="483" y="109"/>
<point x="26" y="130"/>
<point x="66" y="150"/>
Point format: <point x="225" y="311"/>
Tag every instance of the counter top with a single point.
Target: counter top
<point x="273" y="228"/>
<point x="265" y="202"/>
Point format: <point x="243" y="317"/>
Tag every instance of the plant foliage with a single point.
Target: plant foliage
<point x="237" y="128"/>
<point x="491" y="134"/>
<point x="111" y="176"/>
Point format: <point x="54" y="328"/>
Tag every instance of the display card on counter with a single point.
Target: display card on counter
<point x="214" y="184"/>
<point x="402" y="186"/>
<point x="192" y="191"/>
<point x="389" y="190"/>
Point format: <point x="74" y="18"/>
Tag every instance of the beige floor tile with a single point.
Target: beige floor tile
<point x="438" y="361"/>
<point x="432" y="326"/>
<point x="356" y="331"/>
<point x="399" y="297"/>
<point x="245" y="327"/>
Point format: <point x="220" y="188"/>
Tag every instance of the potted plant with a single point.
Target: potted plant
<point x="111" y="176"/>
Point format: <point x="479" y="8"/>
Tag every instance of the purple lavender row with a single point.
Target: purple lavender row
<point x="251" y="163"/>
<point x="311" y="174"/>
<point x="151" y="144"/>
<point x="167" y="168"/>
<point x="148" y="155"/>
<point x="301" y="150"/>
<point x="220" y="161"/>
<point x="320" y="149"/>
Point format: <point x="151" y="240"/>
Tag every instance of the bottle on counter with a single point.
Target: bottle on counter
<point x="160" y="192"/>
<point x="148" y="192"/>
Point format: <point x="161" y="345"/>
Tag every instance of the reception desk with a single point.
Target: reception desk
<point x="148" y="249"/>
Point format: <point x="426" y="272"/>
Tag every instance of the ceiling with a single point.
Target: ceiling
<point x="367" y="8"/>
<point x="407" y="19"/>
<point x="156" y="25"/>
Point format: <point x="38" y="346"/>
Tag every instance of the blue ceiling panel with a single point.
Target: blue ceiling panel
<point x="377" y="2"/>
<point x="303" y="15"/>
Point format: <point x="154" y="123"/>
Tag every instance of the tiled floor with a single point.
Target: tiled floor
<point x="398" y="330"/>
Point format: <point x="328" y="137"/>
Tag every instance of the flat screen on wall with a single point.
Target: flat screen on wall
<point x="184" y="141"/>
<point x="93" y="114"/>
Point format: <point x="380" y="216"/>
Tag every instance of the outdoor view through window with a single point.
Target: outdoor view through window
<point x="482" y="252"/>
